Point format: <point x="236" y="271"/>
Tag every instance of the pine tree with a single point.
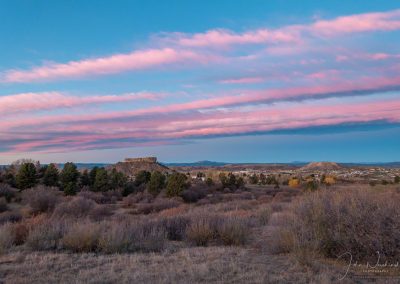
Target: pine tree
<point x="69" y="178"/>
<point x="101" y="181"/>
<point x="51" y="175"/>
<point x="156" y="183"/>
<point x="26" y="176"/>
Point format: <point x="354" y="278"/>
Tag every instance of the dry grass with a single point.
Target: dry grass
<point x="188" y="265"/>
<point x="101" y="242"/>
<point x="330" y="223"/>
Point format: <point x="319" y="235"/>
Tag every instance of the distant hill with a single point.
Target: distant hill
<point x="321" y="166"/>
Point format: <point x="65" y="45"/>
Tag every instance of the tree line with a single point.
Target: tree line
<point x="69" y="179"/>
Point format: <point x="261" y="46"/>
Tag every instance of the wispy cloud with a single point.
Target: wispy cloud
<point x="201" y="48"/>
<point x="244" y="80"/>
<point x="137" y="60"/>
<point x="95" y="134"/>
<point x="30" y="102"/>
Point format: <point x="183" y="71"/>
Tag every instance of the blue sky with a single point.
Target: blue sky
<point x="236" y="81"/>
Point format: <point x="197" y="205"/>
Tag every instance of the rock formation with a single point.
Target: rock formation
<point x="131" y="166"/>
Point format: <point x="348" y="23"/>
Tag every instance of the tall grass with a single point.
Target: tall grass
<point x="330" y="223"/>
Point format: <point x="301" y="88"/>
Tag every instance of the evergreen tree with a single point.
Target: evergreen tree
<point x="101" y="182"/>
<point x="51" y="175"/>
<point x="69" y="178"/>
<point x="117" y="179"/>
<point x="92" y="175"/>
<point x="84" y="179"/>
<point x="239" y="182"/>
<point x="223" y="179"/>
<point x="142" y="177"/>
<point x="176" y="184"/>
<point x="253" y="179"/>
<point x="156" y="183"/>
<point x="70" y="188"/>
<point x="231" y="181"/>
<point x="26" y="176"/>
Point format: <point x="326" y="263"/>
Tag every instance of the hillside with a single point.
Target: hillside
<point x="321" y="166"/>
<point x="131" y="166"/>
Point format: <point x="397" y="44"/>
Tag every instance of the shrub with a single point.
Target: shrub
<point x="82" y="237"/>
<point x="7" y="192"/>
<point x="142" y="197"/>
<point x="3" y="205"/>
<point x="10" y="216"/>
<point x="97" y="197"/>
<point x="20" y="233"/>
<point x="101" y="197"/>
<point x="176" y="227"/>
<point x="264" y="215"/>
<point x="193" y="195"/>
<point x="200" y="231"/>
<point x="6" y="237"/>
<point x="233" y="231"/>
<point x="78" y="207"/>
<point x="156" y="206"/>
<point x="100" y="212"/>
<point x="41" y="199"/>
<point x="361" y="222"/>
<point x="132" y="237"/>
<point x="47" y="235"/>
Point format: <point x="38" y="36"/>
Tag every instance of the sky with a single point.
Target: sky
<point x="232" y="81"/>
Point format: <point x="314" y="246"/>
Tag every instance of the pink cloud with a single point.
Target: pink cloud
<point x="192" y="48"/>
<point x="368" y="22"/>
<point x="220" y="37"/>
<point x="28" y="102"/>
<point x="252" y="97"/>
<point x="244" y="80"/>
<point x="280" y="116"/>
<point x="136" y="60"/>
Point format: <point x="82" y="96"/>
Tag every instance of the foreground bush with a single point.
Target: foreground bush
<point x="3" y="205"/>
<point x="82" y="237"/>
<point x="10" y="217"/>
<point x="6" y="237"/>
<point x="41" y="199"/>
<point x="7" y="192"/>
<point x="233" y="232"/>
<point x="78" y="207"/>
<point x="132" y="237"/>
<point x="156" y="206"/>
<point x="47" y="235"/>
<point x="362" y="222"/>
<point x="219" y="229"/>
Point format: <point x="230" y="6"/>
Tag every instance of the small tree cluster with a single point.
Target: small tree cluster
<point x="231" y="181"/>
<point x="176" y="184"/>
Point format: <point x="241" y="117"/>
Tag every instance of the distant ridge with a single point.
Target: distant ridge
<point x="197" y="164"/>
